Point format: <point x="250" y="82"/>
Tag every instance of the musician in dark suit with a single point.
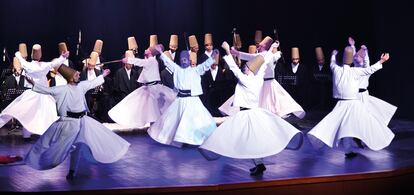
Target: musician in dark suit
<point x="125" y="81"/>
<point x="14" y="81"/>
<point x="299" y="88"/>
<point x="321" y="81"/>
<point x="165" y="74"/>
<point x="90" y="73"/>
<point x="218" y="85"/>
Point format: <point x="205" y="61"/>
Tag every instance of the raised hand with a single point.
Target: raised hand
<point x="215" y="53"/>
<point x="275" y="44"/>
<point x="334" y="52"/>
<point x="364" y="47"/>
<point x="66" y="54"/>
<point x="351" y="41"/>
<point x="234" y="51"/>
<point x="159" y="48"/>
<point x="384" y="57"/>
<point x="226" y="47"/>
<point x="106" y="72"/>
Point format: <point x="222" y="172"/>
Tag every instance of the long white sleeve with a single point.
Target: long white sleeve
<point x="171" y="65"/>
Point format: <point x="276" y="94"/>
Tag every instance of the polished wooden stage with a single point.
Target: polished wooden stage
<point x="150" y="167"/>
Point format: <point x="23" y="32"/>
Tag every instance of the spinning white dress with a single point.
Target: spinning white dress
<point x="35" y="111"/>
<point x="252" y="133"/>
<point x="186" y="120"/>
<point x="381" y="110"/>
<point x="273" y="96"/>
<point x="67" y="133"/>
<point x="147" y="103"/>
<point x="351" y="117"/>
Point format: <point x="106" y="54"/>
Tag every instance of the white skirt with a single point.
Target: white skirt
<point x="67" y="133"/>
<point x="273" y="98"/>
<point x="35" y="111"/>
<point x="278" y="101"/>
<point x="381" y="110"/>
<point x="144" y="105"/>
<point x="185" y="121"/>
<point x="351" y="118"/>
<point x="254" y="133"/>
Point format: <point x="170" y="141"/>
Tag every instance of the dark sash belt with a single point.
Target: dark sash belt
<point x="243" y="108"/>
<point x="362" y="90"/>
<point x="184" y="93"/>
<point x="266" y="79"/>
<point x="75" y="114"/>
<point x="152" y="83"/>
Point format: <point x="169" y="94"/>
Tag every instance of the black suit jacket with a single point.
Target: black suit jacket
<point x="301" y="91"/>
<point x="321" y="84"/>
<point x="124" y="86"/>
<point x="216" y="92"/>
<point x="11" y="83"/>
<point x="84" y="74"/>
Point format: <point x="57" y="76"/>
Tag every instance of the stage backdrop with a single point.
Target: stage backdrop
<point x="381" y="25"/>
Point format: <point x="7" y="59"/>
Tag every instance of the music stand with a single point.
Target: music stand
<point x="4" y="73"/>
<point x="9" y="96"/>
<point x="287" y="80"/>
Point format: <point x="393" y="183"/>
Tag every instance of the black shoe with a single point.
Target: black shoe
<point x="27" y="139"/>
<point x="70" y="175"/>
<point x="252" y="169"/>
<point x="359" y="143"/>
<point x="259" y="169"/>
<point x="350" y="155"/>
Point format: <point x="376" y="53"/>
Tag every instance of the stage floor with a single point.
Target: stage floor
<point x="150" y="165"/>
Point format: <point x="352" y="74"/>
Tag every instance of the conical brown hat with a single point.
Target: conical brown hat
<point x="258" y="36"/>
<point x="36" y="52"/>
<point x="66" y="72"/>
<point x="98" y="46"/>
<point x="62" y="47"/>
<point x="23" y="50"/>
<point x="174" y="40"/>
<point x="252" y="49"/>
<point x="255" y="63"/>
<point x="348" y="55"/>
<point x="319" y="53"/>
<point x="153" y="40"/>
<point x="132" y="43"/>
<point x="208" y="39"/>
<point x="192" y="41"/>
<point x="295" y="53"/>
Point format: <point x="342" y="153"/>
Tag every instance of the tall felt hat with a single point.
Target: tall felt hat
<point x="132" y="43"/>
<point x="319" y="53"/>
<point x="295" y="53"/>
<point x="208" y="39"/>
<point x="193" y="58"/>
<point x="93" y="58"/>
<point x="36" y="52"/>
<point x="23" y="50"/>
<point x="252" y="49"/>
<point x="192" y="41"/>
<point x="266" y="42"/>
<point x="67" y="72"/>
<point x="153" y="40"/>
<point x="129" y="54"/>
<point x="258" y="36"/>
<point x="16" y="64"/>
<point x="174" y="40"/>
<point x="348" y="55"/>
<point x="237" y="41"/>
<point x="255" y="63"/>
<point x="98" y="46"/>
<point x="62" y="47"/>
